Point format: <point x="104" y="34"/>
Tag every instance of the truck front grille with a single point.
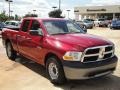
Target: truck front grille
<point x="98" y="53"/>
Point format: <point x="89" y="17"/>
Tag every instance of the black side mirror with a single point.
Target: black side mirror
<point x="36" y="33"/>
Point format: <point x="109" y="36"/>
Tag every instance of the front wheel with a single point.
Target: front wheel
<point x="55" y="71"/>
<point x="10" y="51"/>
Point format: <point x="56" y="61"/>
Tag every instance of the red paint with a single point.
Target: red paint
<point x="39" y="46"/>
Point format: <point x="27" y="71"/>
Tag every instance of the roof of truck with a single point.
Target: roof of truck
<point x="45" y="18"/>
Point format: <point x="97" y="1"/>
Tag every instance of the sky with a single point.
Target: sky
<point x="22" y="7"/>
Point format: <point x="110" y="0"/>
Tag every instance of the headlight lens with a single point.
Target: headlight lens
<point x="72" y="56"/>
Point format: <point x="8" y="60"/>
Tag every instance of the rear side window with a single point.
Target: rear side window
<point x="25" y="25"/>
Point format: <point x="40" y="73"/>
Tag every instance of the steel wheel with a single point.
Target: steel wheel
<point x="10" y="51"/>
<point x="53" y="71"/>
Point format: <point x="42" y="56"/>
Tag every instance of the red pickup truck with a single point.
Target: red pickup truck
<point x="62" y="47"/>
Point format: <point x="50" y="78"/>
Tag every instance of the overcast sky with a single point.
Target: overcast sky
<point x="22" y="7"/>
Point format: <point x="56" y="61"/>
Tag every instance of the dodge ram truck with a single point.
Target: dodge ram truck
<point x="62" y="47"/>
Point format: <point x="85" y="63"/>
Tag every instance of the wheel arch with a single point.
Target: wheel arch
<point x="50" y="54"/>
<point x="6" y="41"/>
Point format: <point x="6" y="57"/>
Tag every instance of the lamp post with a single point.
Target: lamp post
<point x="11" y="12"/>
<point x="68" y="13"/>
<point x="9" y="2"/>
<point x="59" y="4"/>
<point x="54" y="7"/>
<point x="34" y="11"/>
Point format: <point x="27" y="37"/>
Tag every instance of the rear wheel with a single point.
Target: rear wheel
<point x="55" y="71"/>
<point x="10" y="51"/>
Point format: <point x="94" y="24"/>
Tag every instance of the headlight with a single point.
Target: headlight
<point x="72" y="56"/>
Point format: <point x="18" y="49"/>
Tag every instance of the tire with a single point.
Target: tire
<point x="10" y="51"/>
<point x="55" y="71"/>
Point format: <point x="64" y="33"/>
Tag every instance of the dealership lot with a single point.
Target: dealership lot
<point x="27" y="75"/>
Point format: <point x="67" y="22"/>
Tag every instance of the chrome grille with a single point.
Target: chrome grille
<point x="98" y="53"/>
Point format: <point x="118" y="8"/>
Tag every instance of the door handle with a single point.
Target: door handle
<point x="18" y="35"/>
<point x="28" y="38"/>
<point x="21" y="36"/>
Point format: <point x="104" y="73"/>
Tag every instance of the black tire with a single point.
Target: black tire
<point x="60" y="77"/>
<point x="10" y="51"/>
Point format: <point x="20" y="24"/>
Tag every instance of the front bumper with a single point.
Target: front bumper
<point x="89" y="26"/>
<point x="116" y="27"/>
<point x="78" y="70"/>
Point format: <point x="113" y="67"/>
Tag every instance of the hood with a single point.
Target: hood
<point x="81" y="40"/>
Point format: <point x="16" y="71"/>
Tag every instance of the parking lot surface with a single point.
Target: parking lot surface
<point x="27" y="75"/>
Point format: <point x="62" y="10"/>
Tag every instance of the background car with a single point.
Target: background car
<point x="82" y="25"/>
<point x="88" y="24"/>
<point x="12" y="23"/>
<point x="115" y="24"/>
<point x="102" y="22"/>
<point x="1" y="26"/>
<point x="90" y="20"/>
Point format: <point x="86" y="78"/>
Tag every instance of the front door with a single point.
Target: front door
<point x="35" y="48"/>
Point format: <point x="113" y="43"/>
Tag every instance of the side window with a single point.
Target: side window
<point x="12" y="23"/>
<point x="35" y="25"/>
<point x="25" y="25"/>
<point x="6" y="23"/>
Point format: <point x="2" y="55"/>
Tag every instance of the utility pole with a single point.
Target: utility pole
<point x="9" y="2"/>
<point x="68" y="13"/>
<point x="11" y="12"/>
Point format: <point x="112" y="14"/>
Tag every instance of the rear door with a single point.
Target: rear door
<point x="22" y="38"/>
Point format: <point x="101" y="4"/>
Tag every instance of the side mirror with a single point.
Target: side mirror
<point x="36" y="32"/>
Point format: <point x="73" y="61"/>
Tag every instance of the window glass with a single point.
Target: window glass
<point x="25" y="25"/>
<point x="13" y="23"/>
<point x="35" y="25"/>
<point x="60" y="27"/>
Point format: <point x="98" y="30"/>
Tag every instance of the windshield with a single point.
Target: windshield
<point x="61" y="27"/>
<point x="101" y="19"/>
<point x="86" y="21"/>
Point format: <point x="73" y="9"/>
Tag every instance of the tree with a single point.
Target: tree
<point x="3" y="17"/>
<point x="17" y="17"/>
<point x="55" y="14"/>
<point x="31" y="15"/>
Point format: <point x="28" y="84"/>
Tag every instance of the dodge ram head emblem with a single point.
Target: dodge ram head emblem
<point x="101" y="54"/>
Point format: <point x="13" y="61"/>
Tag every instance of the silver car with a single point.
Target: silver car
<point x="88" y="24"/>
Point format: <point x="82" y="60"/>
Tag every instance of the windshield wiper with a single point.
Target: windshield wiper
<point x="65" y="33"/>
<point x="60" y="33"/>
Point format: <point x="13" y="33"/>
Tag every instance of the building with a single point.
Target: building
<point x="93" y="12"/>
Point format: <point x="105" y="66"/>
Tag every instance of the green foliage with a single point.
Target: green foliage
<point x="17" y="17"/>
<point x="3" y="17"/>
<point x="55" y="14"/>
<point x="31" y="15"/>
